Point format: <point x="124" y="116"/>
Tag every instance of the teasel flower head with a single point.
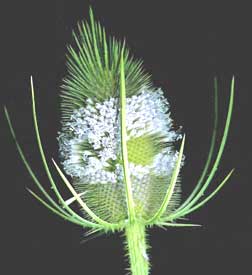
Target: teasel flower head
<point x="90" y="146"/>
<point x="117" y="146"/>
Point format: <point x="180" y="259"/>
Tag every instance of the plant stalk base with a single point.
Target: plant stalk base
<point x="137" y="249"/>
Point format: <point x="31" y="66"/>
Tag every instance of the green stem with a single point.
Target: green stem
<point x="137" y="248"/>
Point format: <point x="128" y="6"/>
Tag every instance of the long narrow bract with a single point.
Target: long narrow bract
<point x="186" y="209"/>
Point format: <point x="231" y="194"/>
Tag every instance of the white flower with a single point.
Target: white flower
<point x="90" y="140"/>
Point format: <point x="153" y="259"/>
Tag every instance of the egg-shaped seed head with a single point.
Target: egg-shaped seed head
<point x="90" y="146"/>
<point x="90" y="141"/>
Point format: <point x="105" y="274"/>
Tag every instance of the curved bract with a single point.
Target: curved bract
<point x="117" y="145"/>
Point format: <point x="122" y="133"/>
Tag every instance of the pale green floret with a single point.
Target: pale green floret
<point x="142" y="150"/>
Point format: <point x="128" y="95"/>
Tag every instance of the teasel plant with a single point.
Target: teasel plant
<point x="117" y="147"/>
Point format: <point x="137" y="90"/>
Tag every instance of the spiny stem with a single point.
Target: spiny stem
<point x="136" y="246"/>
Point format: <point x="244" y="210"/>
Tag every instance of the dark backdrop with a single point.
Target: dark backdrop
<point x="184" y="44"/>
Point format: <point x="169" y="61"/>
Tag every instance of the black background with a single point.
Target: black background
<point x="184" y="44"/>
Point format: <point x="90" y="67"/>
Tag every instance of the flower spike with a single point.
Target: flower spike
<point x="117" y="146"/>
